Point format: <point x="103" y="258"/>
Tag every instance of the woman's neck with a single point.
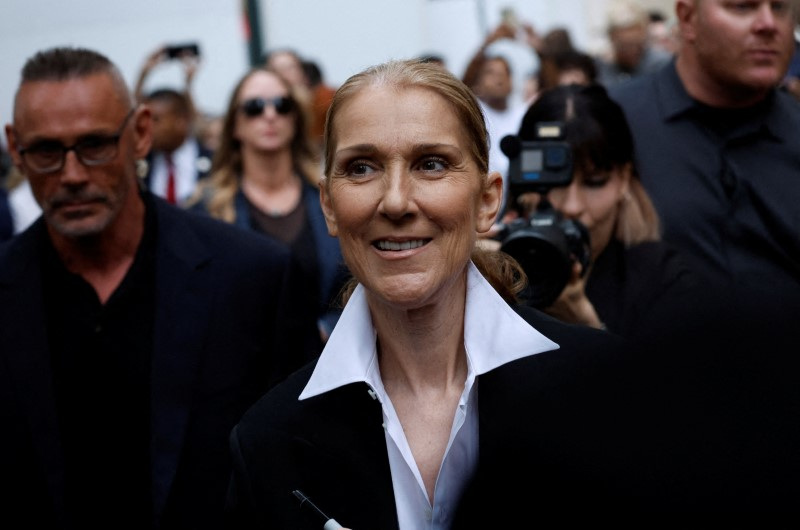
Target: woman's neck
<point x="273" y="170"/>
<point x="422" y="348"/>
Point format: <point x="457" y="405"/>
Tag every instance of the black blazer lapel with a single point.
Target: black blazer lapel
<point x="345" y="459"/>
<point x="183" y="303"/>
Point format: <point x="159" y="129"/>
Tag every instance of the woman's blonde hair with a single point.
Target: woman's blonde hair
<point x="415" y="74"/>
<point x="219" y="191"/>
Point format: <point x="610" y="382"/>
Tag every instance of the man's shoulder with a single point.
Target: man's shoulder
<point x="19" y="249"/>
<point x="638" y="88"/>
<point x="232" y="241"/>
<point x="787" y="110"/>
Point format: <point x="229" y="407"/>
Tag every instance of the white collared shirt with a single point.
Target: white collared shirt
<point x="493" y="335"/>
<point x="186" y="162"/>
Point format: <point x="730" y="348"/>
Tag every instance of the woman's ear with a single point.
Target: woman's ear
<point x="327" y="207"/>
<point x="489" y="201"/>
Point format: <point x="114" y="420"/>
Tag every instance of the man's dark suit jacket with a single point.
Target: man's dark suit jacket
<point x="224" y="332"/>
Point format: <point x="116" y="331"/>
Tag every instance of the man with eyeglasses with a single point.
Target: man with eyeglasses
<point x="134" y="334"/>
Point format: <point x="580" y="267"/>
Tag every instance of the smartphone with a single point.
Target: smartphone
<point x="508" y="16"/>
<point x="176" y="51"/>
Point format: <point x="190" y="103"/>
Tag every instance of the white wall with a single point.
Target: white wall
<point x="126" y="31"/>
<point x="343" y="36"/>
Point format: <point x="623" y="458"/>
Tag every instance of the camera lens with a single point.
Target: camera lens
<point x="546" y="246"/>
<point x="542" y="252"/>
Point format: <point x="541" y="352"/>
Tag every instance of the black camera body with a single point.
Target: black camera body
<point x="545" y="244"/>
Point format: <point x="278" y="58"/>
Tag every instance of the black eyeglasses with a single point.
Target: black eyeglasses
<point x="47" y="156"/>
<point x="255" y="106"/>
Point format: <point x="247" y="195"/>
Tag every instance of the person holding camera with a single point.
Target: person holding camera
<point x="625" y="274"/>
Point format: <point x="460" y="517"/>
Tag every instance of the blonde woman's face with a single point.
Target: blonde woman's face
<point x="270" y="130"/>
<point x="405" y="196"/>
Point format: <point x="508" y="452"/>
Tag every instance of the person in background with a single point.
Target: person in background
<point x="177" y="160"/>
<point x="632" y="53"/>
<point x="549" y="48"/>
<point x="289" y="64"/>
<point x="633" y="279"/>
<point x="264" y="179"/>
<point x="716" y="147"/>
<point x="24" y="208"/>
<point x="564" y="67"/>
<point x="411" y="391"/>
<point x="6" y="219"/>
<point x="489" y="76"/>
<point x="661" y="32"/>
<point x="134" y="333"/>
<point x="208" y="130"/>
<point x="791" y="81"/>
<point x="321" y="97"/>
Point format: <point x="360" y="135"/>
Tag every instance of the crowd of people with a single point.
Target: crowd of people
<point x="311" y="302"/>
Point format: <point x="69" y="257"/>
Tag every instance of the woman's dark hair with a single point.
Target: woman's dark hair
<point x="596" y="129"/>
<point x="594" y="125"/>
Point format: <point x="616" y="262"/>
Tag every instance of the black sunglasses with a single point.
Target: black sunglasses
<point x="255" y="106"/>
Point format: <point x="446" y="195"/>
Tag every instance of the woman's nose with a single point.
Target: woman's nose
<point x="573" y="203"/>
<point x="396" y="200"/>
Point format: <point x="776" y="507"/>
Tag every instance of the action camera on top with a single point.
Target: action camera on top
<point x="544" y="243"/>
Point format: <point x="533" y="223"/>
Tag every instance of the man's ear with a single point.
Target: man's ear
<point x="143" y="130"/>
<point x="327" y="207"/>
<point x="13" y="146"/>
<point x="489" y="201"/>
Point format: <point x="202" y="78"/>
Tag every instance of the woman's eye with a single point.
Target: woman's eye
<point x="596" y="181"/>
<point x="433" y="164"/>
<point x="359" y="168"/>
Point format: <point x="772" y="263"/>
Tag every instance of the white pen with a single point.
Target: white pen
<point x="330" y="523"/>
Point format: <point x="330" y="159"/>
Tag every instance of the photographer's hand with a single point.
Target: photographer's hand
<point x="156" y="57"/>
<point x="572" y="305"/>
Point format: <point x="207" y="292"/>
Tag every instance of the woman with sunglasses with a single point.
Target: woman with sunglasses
<point x="264" y="178"/>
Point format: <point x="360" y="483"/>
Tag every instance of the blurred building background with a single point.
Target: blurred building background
<point x="342" y="36"/>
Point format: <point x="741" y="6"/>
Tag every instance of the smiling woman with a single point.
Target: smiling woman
<point x="395" y="392"/>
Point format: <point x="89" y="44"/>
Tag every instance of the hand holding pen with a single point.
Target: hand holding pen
<point x="329" y="523"/>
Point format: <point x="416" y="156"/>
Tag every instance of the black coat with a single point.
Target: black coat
<point x="224" y="333"/>
<point x="696" y="427"/>
<point x="333" y="447"/>
<point x="634" y="289"/>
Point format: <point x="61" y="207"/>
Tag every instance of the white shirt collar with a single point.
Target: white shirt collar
<point x="493" y="335"/>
